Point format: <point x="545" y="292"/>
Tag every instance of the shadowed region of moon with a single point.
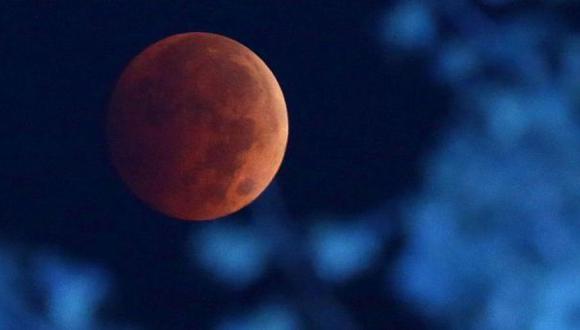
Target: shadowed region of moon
<point x="197" y="126"/>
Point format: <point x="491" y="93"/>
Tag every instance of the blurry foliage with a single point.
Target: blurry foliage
<point x="491" y="239"/>
<point x="269" y="316"/>
<point x="233" y="253"/>
<point x="45" y="291"/>
<point x="239" y="254"/>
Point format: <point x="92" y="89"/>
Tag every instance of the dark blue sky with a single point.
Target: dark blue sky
<point x="355" y="132"/>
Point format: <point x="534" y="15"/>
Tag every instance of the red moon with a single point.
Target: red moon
<point x="197" y="126"/>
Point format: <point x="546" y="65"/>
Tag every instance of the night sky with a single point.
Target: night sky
<point x="360" y="119"/>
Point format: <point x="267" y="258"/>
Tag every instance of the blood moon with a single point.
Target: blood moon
<point x="197" y="126"/>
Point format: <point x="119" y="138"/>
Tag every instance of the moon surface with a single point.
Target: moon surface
<point x="197" y="126"/>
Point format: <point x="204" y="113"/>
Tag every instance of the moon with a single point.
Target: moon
<point x="197" y="126"/>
